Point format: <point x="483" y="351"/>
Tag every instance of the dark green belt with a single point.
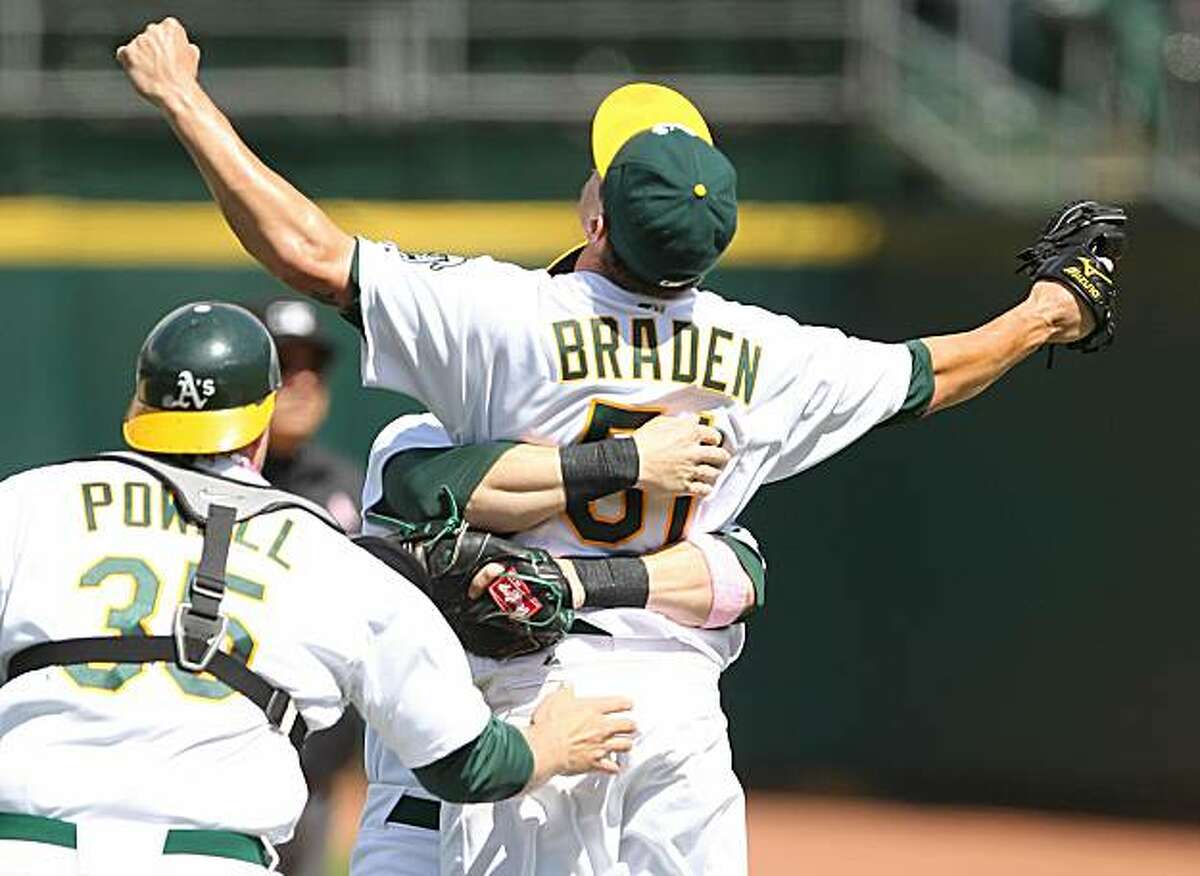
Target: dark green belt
<point x="210" y="843"/>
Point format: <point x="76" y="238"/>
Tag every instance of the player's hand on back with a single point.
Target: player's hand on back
<point x="679" y="455"/>
<point x="571" y="735"/>
<point x="160" y="61"/>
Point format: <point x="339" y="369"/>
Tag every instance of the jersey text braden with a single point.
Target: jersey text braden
<point x="714" y="358"/>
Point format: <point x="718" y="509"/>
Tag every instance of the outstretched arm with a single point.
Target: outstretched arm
<point x="1073" y="300"/>
<point x="967" y="363"/>
<point x="290" y="235"/>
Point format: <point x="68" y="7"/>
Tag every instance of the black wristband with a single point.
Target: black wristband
<point x="613" y="582"/>
<point x="598" y="468"/>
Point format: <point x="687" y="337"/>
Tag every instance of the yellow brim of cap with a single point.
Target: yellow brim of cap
<point x="638" y="107"/>
<point x="158" y="431"/>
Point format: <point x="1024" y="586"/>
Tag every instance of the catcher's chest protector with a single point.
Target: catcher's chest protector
<point x="214" y="505"/>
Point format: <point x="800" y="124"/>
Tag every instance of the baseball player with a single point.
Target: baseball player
<point x="708" y="581"/>
<point x="499" y="352"/>
<point x="171" y="627"/>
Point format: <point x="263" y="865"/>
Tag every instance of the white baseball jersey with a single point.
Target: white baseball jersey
<point x="497" y="352"/>
<point x="94" y="548"/>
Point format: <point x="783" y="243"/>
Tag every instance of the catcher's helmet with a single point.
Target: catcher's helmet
<point x="206" y="381"/>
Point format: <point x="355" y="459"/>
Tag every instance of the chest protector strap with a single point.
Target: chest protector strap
<point x="215" y="505"/>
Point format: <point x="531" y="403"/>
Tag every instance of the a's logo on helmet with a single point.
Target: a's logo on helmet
<point x="194" y="392"/>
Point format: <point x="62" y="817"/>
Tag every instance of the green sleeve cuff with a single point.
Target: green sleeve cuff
<point x="413" y="480"/>
<point x="496" y="765"/>
<point x="920" y="384"/>
<point x="352" y="312"/>
<point x="754" y="565"/>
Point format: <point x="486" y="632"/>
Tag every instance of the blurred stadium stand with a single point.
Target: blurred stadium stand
<point x="1009" y="101"/>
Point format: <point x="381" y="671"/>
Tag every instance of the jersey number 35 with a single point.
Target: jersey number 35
<point x="132" y="618"/>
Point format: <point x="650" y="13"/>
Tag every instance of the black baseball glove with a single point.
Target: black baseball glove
<point x="1079" y="248"/>
<point x="524" y="610"/>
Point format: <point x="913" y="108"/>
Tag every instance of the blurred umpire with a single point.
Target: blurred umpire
<point x="296" y="464"/>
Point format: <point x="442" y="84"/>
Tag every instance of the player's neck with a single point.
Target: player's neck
<point x="589" y="260"/>
<point x="592" y="259"/>
<point x="236" y="466"/>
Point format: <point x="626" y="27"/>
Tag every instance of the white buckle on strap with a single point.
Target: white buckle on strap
<point x="290" y="713"/>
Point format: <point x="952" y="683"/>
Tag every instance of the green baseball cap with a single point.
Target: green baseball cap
<point x="670" y="202"/>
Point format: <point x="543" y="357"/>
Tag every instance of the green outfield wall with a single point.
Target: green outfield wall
<point x="996" y="604"/>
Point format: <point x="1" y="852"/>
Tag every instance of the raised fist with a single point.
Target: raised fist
<point x="160" y="61"/>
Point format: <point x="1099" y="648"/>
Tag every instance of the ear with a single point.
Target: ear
<point x="595" y="229"/>
<point x="591" y="209"/>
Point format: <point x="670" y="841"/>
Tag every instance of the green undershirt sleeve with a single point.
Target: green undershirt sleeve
<point x="920" y="385"/>
<point x="352" y="312"/>
<point x="496" y="765"/>
<point x="413" y="479"/>
<point x="754" y="565"/>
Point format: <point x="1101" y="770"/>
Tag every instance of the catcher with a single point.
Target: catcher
<point x="168" y="638"/>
